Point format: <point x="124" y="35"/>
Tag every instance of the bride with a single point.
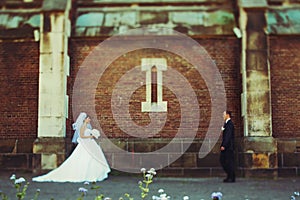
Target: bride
<point x="86" y="163"/>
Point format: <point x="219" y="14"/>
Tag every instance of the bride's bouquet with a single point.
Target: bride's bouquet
<point x="95" y="133"/>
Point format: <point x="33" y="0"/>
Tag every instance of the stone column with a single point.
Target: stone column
<point x="53" y="72"/>
<point x="259" y="149"/>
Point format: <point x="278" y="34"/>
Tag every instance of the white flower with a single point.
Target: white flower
<point x="155" y="197"/>
<point x="297" y="193"/>
<point x="86" y="183"/>
<point x="152" y="171"/>
<point x="143" y="170"/>
<point x="160" y="190"/>
<point x="149" y="176"/>
<point x="186" y="198"/>
<point x="13" y="177"/>
<point x="20" y="180"/>
<point x="83" y="190"/>
<point x="107" y="198"/>
<point x="216" y="194"/>
<point x="164" y="195"/>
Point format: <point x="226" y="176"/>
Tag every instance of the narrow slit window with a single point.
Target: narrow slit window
<point x="154" y="68"/>
<point x="154" y="84"/>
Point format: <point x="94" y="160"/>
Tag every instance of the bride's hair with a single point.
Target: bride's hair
<point x="87" y="116"/>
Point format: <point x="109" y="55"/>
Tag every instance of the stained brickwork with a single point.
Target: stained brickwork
<point x="285" y="88"/>
<point x="19" y="70"/>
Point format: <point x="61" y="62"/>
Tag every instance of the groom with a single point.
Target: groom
<point x="227" y="148"/>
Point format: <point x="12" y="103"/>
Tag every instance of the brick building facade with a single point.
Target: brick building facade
<point x="45" y="45"/>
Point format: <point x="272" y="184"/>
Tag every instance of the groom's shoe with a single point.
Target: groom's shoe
<point x="226" y="179"/>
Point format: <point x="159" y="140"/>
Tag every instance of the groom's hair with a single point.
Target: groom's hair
<point x="228" y="113"/>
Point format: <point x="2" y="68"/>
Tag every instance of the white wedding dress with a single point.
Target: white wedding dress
<point x="86" y="163"/>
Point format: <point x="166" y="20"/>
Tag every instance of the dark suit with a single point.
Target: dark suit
<point x="227" y="156"/>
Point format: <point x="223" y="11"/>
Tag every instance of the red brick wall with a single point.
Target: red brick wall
<point x="19" y="84"/>
<point x="285" y="85"/>
<point x="225" y="52"/>
<point x="19" y="68"/>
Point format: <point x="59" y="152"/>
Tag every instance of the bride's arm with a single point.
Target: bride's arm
<point x="82" y="129"/>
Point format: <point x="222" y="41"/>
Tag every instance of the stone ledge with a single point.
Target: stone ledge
<point x="259" y="144"/>
<point x="16" y="145"/>
<point x="289" y="172"/>
<point x="16" y="161"/>
<point x="261" y="173"/>
<point x="49" y="145"/>
<point x="288" y="145"/>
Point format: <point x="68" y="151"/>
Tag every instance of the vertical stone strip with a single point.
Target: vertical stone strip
<point x="259" y="147"/>
<point x="53" y="72"/>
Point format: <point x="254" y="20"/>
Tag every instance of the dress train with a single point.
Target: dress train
<point x="86" y="163"/>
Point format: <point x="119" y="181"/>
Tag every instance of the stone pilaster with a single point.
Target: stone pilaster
<point x="53" y="72"/>
<point x="259" y="151"/>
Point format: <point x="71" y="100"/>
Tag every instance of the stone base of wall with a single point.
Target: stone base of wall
<point x="288" y="156"/>
<point x="16" y="154"/>
<point x="258" y="156"/>
<point x="187" y="165"/>
<point x="49" y="153"/>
